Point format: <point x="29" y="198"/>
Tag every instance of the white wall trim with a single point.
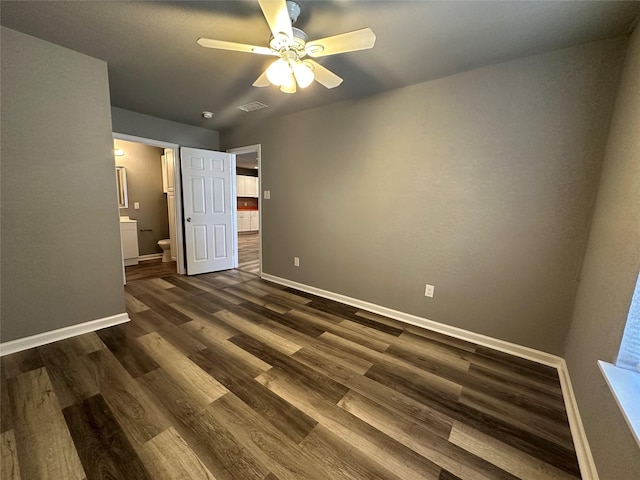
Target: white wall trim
<point x="581" y="444"/>
<point x="147" y="141"/>
<point x="149" y="256"/>
<point x="25" y="343"/>
<point x="497" y="344"/>
<point x="578" y="433"/>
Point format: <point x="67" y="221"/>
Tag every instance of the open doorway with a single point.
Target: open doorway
<point x="248" y="188"/>
<point x="151" y="217"/>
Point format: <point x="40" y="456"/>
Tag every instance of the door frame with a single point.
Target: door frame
<point x="180" y="260"/>
<point x="257" y="149"/>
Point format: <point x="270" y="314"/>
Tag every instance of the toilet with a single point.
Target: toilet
<point x="165" y="245"/>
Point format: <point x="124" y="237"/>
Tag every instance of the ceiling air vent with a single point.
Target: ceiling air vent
<point x="250" y="107"/>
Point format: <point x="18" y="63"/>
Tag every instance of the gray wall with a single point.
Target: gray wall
<point x="144" y="180"/>
<point x="481" y="184"/>
<point x="146" y="126"/>
<point x="61" y="259"/>
<point x="609" y="275"/>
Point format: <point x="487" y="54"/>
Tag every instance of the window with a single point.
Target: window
<point x="629" y="354"/>
<point x="623" y="378"/>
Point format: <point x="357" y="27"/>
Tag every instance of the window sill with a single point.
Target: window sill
<point x="625" y="386"/>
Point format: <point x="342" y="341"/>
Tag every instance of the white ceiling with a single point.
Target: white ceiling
<point x="156" y="67"/>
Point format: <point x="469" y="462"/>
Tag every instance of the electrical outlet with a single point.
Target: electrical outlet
<point x="296" y="261"/>
<point x="428" y="290"/>
<point x="267" y="194"/>
<point x="136" y="205"/>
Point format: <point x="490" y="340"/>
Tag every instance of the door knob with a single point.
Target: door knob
<point x="188" y="219"/>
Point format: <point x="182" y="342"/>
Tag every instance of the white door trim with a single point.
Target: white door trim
<point x="180" y="260"/>
<point x="257" y="148"/>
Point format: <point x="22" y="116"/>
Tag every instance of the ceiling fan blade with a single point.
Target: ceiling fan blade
<point x="323" y="75"/>
<point x="262" y="81"/>
<point x="277" y="16"/>
<point x="345" y="42"/>
<point x="238" y="47"/>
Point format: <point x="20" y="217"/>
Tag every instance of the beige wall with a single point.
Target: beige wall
<point x="144" y="180"/>
<point x="609" y="275"/>
<point x="481" y="183"/>
<point x="61" y="259"/>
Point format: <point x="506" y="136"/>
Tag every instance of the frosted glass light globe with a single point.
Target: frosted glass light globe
<point x="278" y="72"/>
<point x="304" y="75"/>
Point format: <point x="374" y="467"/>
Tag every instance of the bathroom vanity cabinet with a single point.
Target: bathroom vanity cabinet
<point x="129" y="238"/>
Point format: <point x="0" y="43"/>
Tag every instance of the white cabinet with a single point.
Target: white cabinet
<point x="255" y="221"/>
<point x="129" y="238"/>
<point x="246" y="186"/>
<point x="252" y="187"/>
<point x="240" y="186"/>
<point x="168" y="175"/>
<point x="244" y="221"/>
<point x="168" y="182"/>
<point x="163" y="158"/>
<point x="248" y="220"/>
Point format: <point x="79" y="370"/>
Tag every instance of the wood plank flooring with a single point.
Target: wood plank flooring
<point x="249" y="252"/>
<point x="225" y="376"/>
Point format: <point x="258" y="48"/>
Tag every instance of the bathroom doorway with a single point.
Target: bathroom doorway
<point x="152" y="216"/>
<point x="249" y="203"/>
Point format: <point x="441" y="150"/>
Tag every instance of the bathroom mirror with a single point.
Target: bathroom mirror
<point x="121" y="179"/>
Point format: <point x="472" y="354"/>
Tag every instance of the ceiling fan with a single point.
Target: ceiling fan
<point x="289" y="43"/>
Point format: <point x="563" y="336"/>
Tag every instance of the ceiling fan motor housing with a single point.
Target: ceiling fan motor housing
<point x="282" y="42"/>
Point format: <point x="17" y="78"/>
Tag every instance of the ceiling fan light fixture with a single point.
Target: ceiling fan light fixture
<point x="289" y="85"/>
<point x="278" y="72"/>
<point x="292" y="70"/>
<point x="304" y="75"/>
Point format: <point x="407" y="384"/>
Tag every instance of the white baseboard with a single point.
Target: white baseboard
<point x="25" y="343"/>
<point x="149" y="256"/>
<point x="581" y="444"/>
<point x="497" y="344"/>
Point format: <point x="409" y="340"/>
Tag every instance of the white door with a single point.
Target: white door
<point x="208" y="209"/>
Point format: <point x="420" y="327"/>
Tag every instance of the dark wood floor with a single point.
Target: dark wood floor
<point x="227" y="376"/>
<point x="248" y="261"/>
